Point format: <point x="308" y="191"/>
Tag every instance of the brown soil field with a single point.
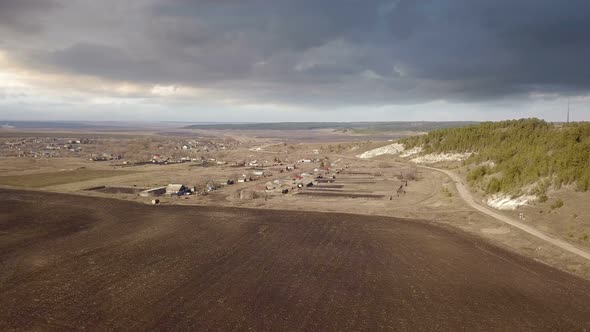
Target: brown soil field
<point x="330" y="186"/>
<point x="339" y="194"/>
<point x="119" y="190"/>
<point x="73" y="262"/>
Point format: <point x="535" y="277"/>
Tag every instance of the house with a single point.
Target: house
<point x="177" y="189"/>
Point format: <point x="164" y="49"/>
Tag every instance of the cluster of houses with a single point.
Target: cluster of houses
<point x="272" y="177"/>
<point x="282" y="185"/>
<point x="37" y="147"/>
<point x="178" y="189"/>
<point x="291" y="178"/>
<point x="160" y="159"/>
<point x="104" y="157"/>
<point x="207" y="145"/>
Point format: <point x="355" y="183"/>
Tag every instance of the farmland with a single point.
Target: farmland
<point x="40" y="180"/>
<point x="270" y="233"/>
<point x="74" y="262"/>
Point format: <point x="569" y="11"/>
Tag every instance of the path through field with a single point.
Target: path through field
<point x="468" y="198"/>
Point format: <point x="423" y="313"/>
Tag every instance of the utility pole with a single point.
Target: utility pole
<point x="568" y="111"/>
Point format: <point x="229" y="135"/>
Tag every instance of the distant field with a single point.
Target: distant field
<point x="72" y="134"/>
<point x="353" y="127"/>
<point x="56" y="178"/>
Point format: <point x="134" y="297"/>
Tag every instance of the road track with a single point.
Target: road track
<point x="470" y="200"/>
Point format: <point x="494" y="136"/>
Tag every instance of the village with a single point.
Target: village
<point x="203" y="170"/>
<point x="130" y="150"/>
<point x="42" y="147"/>
<point x="255" y="179"/>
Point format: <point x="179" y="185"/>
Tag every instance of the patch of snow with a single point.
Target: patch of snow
<point x="412" y="151"/>
<point x="437" y="157"/>
<point x="395" y="148"/>
<point x="489" y="163"/>
<point x="506" y="202"/>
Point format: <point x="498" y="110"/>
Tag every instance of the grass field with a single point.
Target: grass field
<point x="56" y="178"/>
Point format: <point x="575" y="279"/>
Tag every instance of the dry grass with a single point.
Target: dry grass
<point x="56" y="178"/>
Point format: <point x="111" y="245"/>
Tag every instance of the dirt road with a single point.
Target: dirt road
<point x="468" y="198"/>
<point x="71" y="262"/>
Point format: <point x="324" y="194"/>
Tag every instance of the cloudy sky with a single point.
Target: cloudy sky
<point x="294" y="60"/>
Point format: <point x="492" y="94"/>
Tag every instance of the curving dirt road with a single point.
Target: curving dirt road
<point x="72" y="263"/>
<point x="468" y="198"/>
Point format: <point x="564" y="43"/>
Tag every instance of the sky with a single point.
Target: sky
<point x="294" y="60"/>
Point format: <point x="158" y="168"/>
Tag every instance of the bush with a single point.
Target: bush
<point x="478" y="173"/>
<point x="557" y="204"/>
<point x="445" y="192"/>
<point x="494" y="186"/>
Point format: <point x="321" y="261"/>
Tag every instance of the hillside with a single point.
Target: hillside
<point x="526" y="156"/>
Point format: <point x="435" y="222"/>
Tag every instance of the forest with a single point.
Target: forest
<point x="517" y="156"/>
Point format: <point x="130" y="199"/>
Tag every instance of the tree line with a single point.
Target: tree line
<point x="513" y="155"/>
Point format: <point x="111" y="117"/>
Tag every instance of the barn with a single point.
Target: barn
<point x="176" y="189"/>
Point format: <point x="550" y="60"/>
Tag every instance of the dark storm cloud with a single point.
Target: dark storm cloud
<point x="21" y="15"/>
<point x="328" y="52"/>
<point x="505" y="42"/>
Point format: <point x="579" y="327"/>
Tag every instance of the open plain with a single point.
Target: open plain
<point x="294" y="165"/>
<point x="74" y="262"/>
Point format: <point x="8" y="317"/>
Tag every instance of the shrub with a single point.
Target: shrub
<point x="557" y="204"/>
<point x="445" y="192"/>
<point x="494" y="186"/>
<point x="478" y="173"/>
